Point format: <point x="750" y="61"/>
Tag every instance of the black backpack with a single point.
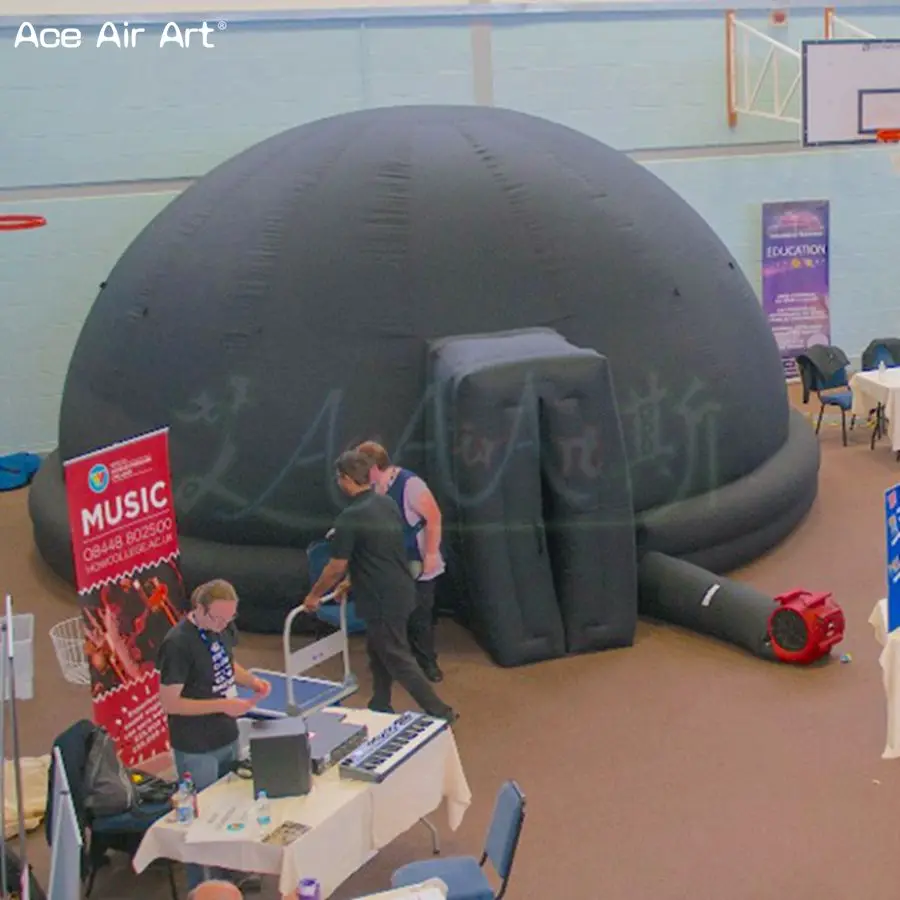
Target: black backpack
<point x="151" y="789"/>
<point x="108" y="788"/>
<point x="111" y="789"/>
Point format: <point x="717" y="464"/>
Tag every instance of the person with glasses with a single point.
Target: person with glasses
<point x="198" y="692"/>
<point x="367" y="543"/>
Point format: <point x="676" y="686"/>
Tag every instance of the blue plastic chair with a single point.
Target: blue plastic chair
<point x="464" y="875"/>
<point x="318" y="555"/>
<point x="833" y="391"/>
<point x="883" y="355"/>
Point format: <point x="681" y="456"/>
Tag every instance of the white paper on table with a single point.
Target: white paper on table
<point x="433" y="889"/>
<point x="217" y="815"/>
<point x="427" y="892"/>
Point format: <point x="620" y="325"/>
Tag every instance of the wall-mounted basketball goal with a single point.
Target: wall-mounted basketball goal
<point x="851" y="91"/>
<point x="813" y="88"/>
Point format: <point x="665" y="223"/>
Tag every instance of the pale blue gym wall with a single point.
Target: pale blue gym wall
<point x="641" y="81"/>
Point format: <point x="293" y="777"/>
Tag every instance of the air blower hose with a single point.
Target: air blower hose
<point x="797" y="627"/>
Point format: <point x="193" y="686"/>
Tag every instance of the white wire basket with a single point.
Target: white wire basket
<point x="68" y="642"/>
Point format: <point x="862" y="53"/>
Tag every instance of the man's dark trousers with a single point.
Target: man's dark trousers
<point x="421" y="627"/>
<point x="392" y="660"/>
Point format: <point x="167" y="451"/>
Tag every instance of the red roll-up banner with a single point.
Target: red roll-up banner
<point x="125" y="543"/>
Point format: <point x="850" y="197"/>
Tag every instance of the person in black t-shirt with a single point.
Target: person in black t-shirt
<point x="198" y="690"/>
<point x="367" y="542"/>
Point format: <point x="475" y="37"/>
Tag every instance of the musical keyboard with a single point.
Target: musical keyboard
<point x="374" y="760"/>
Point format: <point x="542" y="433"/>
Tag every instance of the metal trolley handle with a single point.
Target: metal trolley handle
<point x="298" y="662"/>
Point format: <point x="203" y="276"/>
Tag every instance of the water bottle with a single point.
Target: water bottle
<point x="176" y="804"/>
<point x="184" y="807"/>
<point x="881" y="369"/>
<point x="309" y="889"/>
<point x="263" y="815"/>
<point x="191" y="790"/>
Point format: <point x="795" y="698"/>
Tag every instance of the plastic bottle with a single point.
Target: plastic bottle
<point x="263" y="813"/>
<point x="881" y="370"/>
<point x="191" y="789"/>
<point x="309" y="889"/>
<point x="177" y="799"/>
<point x="184" y="807"/>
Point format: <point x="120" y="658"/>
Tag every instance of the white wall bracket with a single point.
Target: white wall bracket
<point x="768" y="89"/>
<point x="837" y="28"/>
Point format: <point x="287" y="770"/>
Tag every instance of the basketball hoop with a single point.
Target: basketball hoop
<point x="888" y="135"/>
<point x="21" y="223"/>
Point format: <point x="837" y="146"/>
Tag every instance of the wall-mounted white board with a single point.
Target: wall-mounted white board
<point x="851" y="89"/>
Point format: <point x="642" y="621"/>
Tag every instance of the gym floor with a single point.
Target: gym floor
<point x="677" y="768"/>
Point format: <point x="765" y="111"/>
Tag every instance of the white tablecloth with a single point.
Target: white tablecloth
<point x="349" y="820"/>
<point x="874" y="387"/>
<point x="890" y="669"/>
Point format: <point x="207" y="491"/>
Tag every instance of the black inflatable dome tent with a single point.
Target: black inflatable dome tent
<point x="341" y="281"/>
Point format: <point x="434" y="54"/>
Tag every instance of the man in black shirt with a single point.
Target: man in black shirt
<point x="367" y="542"/>
<point x="198" y="690"/>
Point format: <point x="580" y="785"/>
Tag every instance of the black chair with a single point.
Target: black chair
<point x="100" y="834"/>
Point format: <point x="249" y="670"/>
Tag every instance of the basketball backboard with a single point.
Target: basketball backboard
<point x="851" y="90"/>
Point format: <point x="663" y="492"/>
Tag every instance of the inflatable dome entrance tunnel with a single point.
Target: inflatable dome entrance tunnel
<point x="526" y="317"/>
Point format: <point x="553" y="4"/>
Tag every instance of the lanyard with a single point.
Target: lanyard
<point x="227" y="668"/>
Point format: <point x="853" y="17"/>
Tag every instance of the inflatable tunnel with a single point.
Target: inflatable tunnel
<point x="797" y="627"/>
<point x="528" y="463"/>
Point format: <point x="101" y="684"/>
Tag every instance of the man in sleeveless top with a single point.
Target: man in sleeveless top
<point x="422" y="534"/>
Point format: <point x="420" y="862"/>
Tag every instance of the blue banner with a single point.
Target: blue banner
<point x="892" y="533"/>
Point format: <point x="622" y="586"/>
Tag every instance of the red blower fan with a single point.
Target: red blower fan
<point x="805" y="627"/>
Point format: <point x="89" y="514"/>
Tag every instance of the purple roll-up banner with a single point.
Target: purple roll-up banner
<point x="795" y="295"/>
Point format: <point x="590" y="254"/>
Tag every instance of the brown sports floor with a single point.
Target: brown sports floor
<point x="679" y="768"/>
